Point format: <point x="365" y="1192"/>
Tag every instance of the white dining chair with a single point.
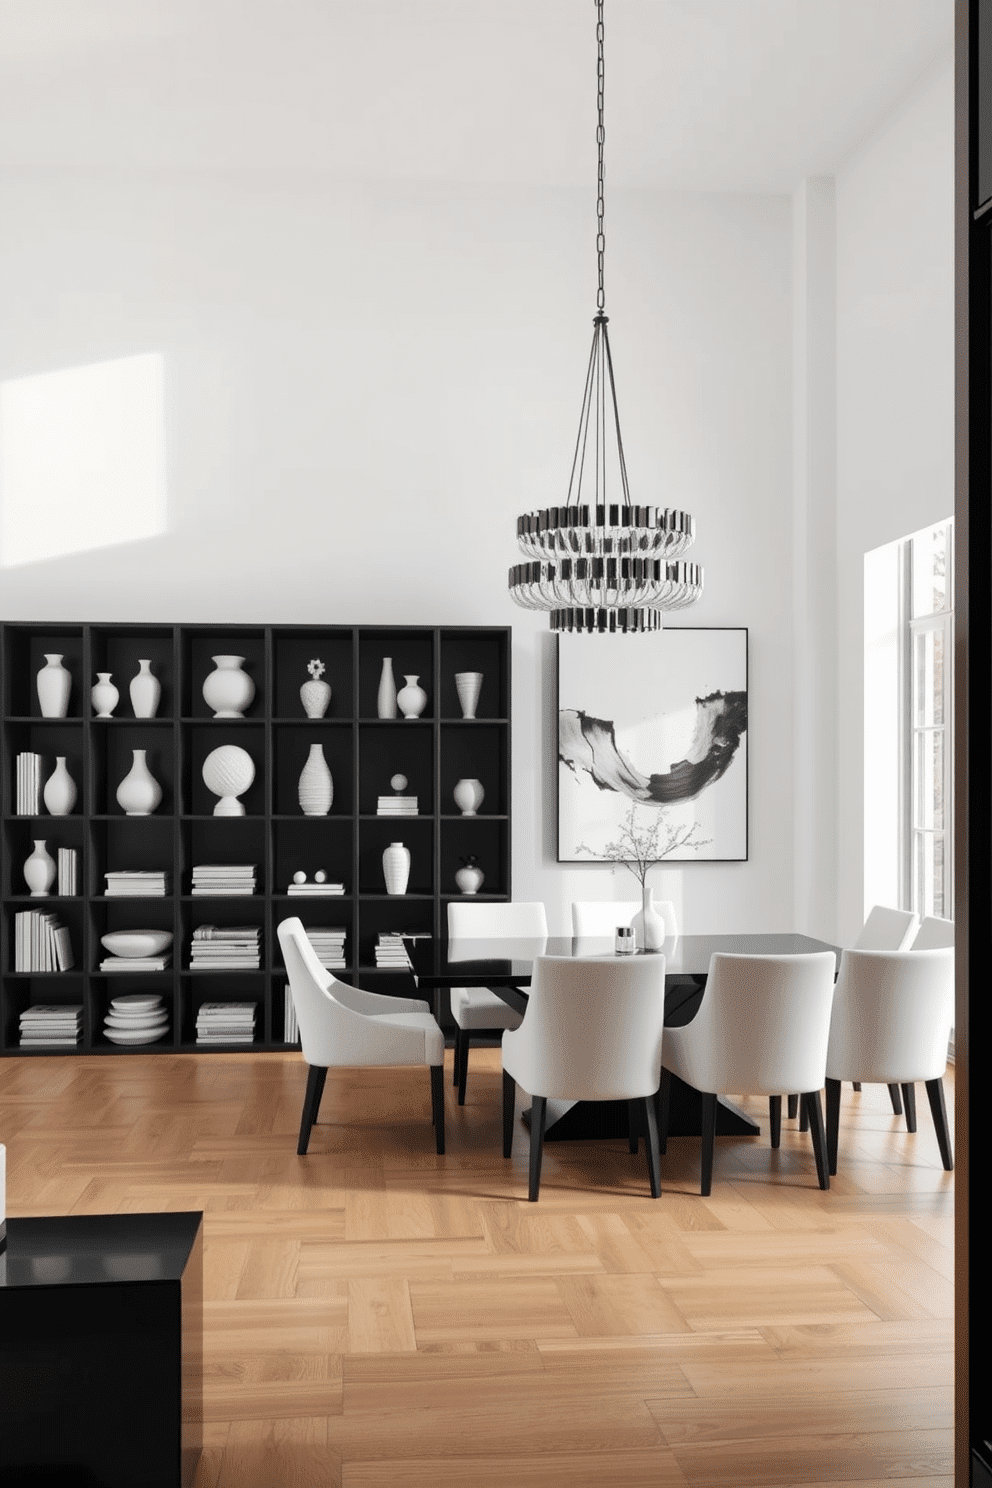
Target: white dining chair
<point x="477" y="1009"/>
<point x="592" y="1032"/>
<point x="762" y="1027"/>
<point x="934" y="934"/>
<point x="344" y="1026"/>
<point x="891" y="1024"/>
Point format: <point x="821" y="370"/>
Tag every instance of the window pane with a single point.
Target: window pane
<point x="930" y="572"/>
<point x="928" y="874"/>
<point x="928" y="782"/>
<point x="928" y="678"/>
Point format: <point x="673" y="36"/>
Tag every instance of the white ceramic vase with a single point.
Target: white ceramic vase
<point x="228" y="771"/>
<point x="104" y="696"/>
<point x="396" y="868"/>
<point x="469" y="685"/>
<point x="648" y="925"/>
<point x="386" y="700"/>
<point x="145" y="690"/>
<point x="60" y="791"/>
<point x="228" y="690"/>
<point x="412" y="698"/>
<point x="469" y="796"/>
<point x="470" y="878"/>
<point x="39" y="870"/>
<point x="139" y="792"/>
<point x="315" y="695"/>
<point x="316" y="788"/>
<point x="54" y="686"/>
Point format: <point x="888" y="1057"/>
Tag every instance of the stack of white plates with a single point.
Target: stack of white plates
<point x="136" y="1018"/>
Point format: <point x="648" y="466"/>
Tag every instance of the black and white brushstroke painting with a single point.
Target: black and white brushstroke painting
<point x="658" y="723"/>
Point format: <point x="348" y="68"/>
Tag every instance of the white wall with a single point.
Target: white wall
<point x="895" y="394"/>
<point x="365" y="383"/>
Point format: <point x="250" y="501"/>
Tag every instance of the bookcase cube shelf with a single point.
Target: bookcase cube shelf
<point x="362" y="751"/>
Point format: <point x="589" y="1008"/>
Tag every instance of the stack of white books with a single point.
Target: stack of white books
<point x="51" y="1024"/>
<point x="316" y="890"/>
<point x="226" y="1023"/>
<point x="41" y="943"/>
<point x="290" y="1027"/>
<point x="223" y="880"/>
<point x="397" y="806"/>
<point x="136" y="963"/>
<point x="28" y="784"/>
<point x="328" y="942"/>
<point x="137" y="884"/>
<point x="390" y="953"/>
<point x="226" y="948"/>
<point x="68" y="883"/>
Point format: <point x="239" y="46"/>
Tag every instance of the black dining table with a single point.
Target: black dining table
<point x="505" y="965"/>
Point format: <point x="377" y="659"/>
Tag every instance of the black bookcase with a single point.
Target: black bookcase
<point x="363" y="753"/>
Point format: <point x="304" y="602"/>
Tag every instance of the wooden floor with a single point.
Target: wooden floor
<point x="377" y="1315"/>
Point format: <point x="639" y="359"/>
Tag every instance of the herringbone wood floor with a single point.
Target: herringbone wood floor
<point x="376" y="1315"/>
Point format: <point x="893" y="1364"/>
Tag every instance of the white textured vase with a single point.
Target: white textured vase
<point x="412" y="698"/>
<point x="39" y="870"/>
<point x="470" y="878"/>
<point x="316" y="788"/>
<point x="396" y="868"/>
<point x="60" y="791"/>
<point x="54" y="686"/>
<point x="315" y="695"/>
<point x="469" y="796"/>
<point x="228" y="771"/>
<point x="139" y="792"/>
<point x="648" y="925"/>
<point x="104" y="696"/>
<point x="145" y="690"/>
<point x="469" y="685"/>
<point x="386" y="700"/>
<point x="228" y="690"/>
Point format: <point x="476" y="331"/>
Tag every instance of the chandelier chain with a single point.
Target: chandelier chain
<point x="600" y="140"/>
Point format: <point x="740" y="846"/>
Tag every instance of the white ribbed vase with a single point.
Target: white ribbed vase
<point x="316" y="788"/>
<point x="396" y="868"/>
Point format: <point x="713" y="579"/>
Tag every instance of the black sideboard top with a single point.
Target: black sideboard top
<point x="94" y="1249"/>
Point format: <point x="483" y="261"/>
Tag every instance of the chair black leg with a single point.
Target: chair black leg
<point x="538" y="1117"/>
<point x="634" y="1123"/>
<point x="893" y="1097"/>
<point x="437" y="1105"/>
<point x="509" y="1109"/>
<point x="909" y="1104"/>
<point x="775" y="1119"/>
<point x="651" y="1143"/>
<point x="833" y="1123"/>
<point x="935" y="1094"/>
<point x="793" y="1107"/>
<point x="459" y="1045"/>
<point x="661" y="1106"/>
<point x="811" y="1100"/>
<point x="316" y="1075"/>
<point x="463" y="1043"/>
<point x="708" y="1134"/>
<point x="856" y="1085"/>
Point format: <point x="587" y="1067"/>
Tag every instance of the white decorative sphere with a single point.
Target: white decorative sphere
<point x="228" y="771"/>
<point x="299" y="876"/>
<point x="398" y="782"/>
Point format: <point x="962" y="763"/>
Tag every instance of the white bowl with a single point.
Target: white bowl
<point x="136" y="942"/>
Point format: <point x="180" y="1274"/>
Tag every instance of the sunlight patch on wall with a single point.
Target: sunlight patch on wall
<point x="82" y="459"/>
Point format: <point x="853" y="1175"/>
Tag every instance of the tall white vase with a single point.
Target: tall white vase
<point x="60" y="791"/>
<point x="469" y="685"/>
<point x="386" y="700"/>
<point x="139" y="792"/>
<point x="648" y="925"/>
<point x="54" y="686"/>
<point x="146" y="690"/>
<point x="104" y="696"/>
<point x="396" y="868"/>
<point x="228" y="690"/>
<point x="39" y="870"/>
<point x="316" y="788"/>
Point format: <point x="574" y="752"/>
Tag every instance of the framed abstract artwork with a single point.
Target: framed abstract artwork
<point x="652" y="738"/>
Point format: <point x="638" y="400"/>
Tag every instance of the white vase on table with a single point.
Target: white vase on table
<point x="648" y="925"/>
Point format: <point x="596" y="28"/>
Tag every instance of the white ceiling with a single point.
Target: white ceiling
<point x="743" y="95"/>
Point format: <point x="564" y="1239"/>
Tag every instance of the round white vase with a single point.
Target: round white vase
<point x="469" y="796"/>
<point x="469" y="685"/>
<point x="54" y="686"/>
<point x="139" y="792"/>
<point x="39" y="870"/>
<point x="104" y="696"/>
<point x="316" y="787"/>
<point x="396" y="868"/>
<point x="412" y="698"/>
<point x="60" y="791"/>
<point x="228" y="771"/>
<point x="145" y="690"/>
<point x="470" y="878"/>
<point x="648" y="925"/>
<point x="386" y="699"/>
<point x="228" y="690"/>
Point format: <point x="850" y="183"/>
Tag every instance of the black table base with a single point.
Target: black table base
<point x="587" y="1121"/>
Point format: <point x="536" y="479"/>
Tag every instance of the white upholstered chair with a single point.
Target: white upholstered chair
<point x="342" y="1025"/>
<point x="762" y="1027"/>
<point x="476" y="1009"/>
<point x="891" y="1024"/>
<point x="933" y="934"/>
<point x="592" y="1031"/>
